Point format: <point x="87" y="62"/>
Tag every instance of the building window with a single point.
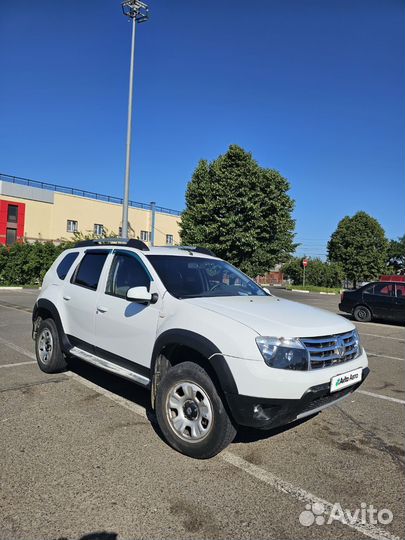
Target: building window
<point x="72" y="226"/>
<point x="12" y="213"/>
<point x="11" y="236"/>
<point x="169" y="239"/>
<point x="98" y="229"/>
<point x="146" y="236"/>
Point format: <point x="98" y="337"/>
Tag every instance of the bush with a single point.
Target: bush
<point x="26" y="264"/>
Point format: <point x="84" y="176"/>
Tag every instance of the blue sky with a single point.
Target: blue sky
<point x="313" y="88"/>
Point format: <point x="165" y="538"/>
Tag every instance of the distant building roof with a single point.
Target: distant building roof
<point x="82" y="193"/>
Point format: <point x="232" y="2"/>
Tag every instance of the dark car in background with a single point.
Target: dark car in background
<point x="377" y="300"/>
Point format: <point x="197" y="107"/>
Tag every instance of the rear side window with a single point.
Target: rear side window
<point x="65" y="264"/>
<point x="89" y="271"/>
<point x="384" y="289"/>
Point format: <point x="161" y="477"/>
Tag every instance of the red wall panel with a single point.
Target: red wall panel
<point x="3" y="220"/>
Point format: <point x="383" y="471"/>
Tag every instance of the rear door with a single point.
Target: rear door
<point x="126" y="330"/>
<point x="80" y="298"/>
<point x="380" y="297"/>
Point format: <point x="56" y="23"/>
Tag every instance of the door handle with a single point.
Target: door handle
<point x="102" y="309"/>
<point x="67" y="297"/>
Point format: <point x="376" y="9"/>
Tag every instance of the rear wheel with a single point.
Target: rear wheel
<point x="362" y="314"/>
<point x="48" y="351"/>
<point x="191" y="414"/>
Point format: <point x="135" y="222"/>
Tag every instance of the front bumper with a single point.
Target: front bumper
<point x="271" y="413"/>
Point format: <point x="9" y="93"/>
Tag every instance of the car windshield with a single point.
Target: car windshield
<point x="197" y="277"/>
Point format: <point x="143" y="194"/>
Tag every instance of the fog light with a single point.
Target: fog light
<point x="257" y="410"/>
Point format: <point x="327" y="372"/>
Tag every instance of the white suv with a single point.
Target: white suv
<point x="215" y="350"/>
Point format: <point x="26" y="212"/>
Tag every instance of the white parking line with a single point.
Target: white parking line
<point x="17" y="348"/>
<point x="261" y="474"/>
<point x="18" y="364"/>
<point x="302" y="495"/>
<point x="129" y="404"/>
<point x="395" y="400"/>
<point x="257" y="472"/>
<point x="383" y="337"/>
<point x="21" y="309"/>
<point x="117" y="399"/>
<point x="385" y="356"/>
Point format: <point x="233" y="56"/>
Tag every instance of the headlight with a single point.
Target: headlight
<point x="357" y="344"/>
<point x="283" y="353"/>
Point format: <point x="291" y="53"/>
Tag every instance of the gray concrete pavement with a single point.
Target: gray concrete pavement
<point x="80" y="453"/>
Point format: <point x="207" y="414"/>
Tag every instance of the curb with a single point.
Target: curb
<point x="298" y="290"/>
<point x="10" y="288"/>
<point x="313" y="292"/>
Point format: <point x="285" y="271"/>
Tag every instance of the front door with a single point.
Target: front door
<point x="123" y="328"/>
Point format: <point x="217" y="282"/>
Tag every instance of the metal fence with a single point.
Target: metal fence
<point x="83" y="193"/>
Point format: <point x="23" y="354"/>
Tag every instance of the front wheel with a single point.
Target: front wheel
<point x="362" y="314"/>
<point x="191" y="414"/>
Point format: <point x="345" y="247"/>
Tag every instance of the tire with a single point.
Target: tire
<point x="48" y="351"/>
<point x="203" y="428"/>
<point x="362" y="314"/>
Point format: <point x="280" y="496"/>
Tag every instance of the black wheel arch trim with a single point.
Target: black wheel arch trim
<point x="193" y="340"/>
<point x="48" y="306"/>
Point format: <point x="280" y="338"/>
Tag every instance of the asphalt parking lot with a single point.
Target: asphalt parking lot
<point x="81" y="454"/>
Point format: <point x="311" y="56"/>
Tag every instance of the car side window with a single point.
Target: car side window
<point x="65" y="264"/>
<point x="126" y="272"/>
<point x="384" y="289"/>
<point x="369" y="290"/>
<point x="89" y="270"/>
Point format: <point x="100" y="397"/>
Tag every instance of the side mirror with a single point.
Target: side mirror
<point x="267" y="291"/>
<point x="141" y="295"/>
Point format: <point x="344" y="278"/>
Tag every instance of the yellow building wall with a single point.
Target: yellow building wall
<point x="38" y="218"/>
<point x="46" y="221"/>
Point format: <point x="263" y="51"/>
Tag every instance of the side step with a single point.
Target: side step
<point x="109" y="366"/>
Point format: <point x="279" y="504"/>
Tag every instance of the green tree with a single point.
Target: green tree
<point x="318" y="272"/>
<point x="396" y="255"/>
<point x="239" y="210"/>
<point x="360" y="246"/>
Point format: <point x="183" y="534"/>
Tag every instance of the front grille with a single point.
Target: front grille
<point x="326" y="351"/>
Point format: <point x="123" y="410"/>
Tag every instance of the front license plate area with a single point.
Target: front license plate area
<point x="345" y="379"/>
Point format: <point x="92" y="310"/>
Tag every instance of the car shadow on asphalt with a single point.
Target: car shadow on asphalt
<point x="248" y="435"/>
<point x="114" y="384"/>
<point x="99" y="535"/>
<point x="141" y="396"/>
<point x="379" y="321"/>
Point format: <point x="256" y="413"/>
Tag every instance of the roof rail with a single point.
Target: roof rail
<point x="114" y="241"/>
<point x="196" y="249"/>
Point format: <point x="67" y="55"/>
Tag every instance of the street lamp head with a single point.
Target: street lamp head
<point x="135" y="9"/>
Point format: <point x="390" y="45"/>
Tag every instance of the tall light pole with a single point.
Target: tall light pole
<point x="138" y="12"/>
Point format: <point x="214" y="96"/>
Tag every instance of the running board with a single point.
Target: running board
<point x="109" y="366"/>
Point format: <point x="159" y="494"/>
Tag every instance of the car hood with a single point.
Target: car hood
<point x="272" y="316"/>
